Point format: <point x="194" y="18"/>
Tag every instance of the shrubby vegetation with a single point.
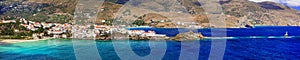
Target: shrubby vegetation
<point x="139" y="22"/>
<point x="12" y="37"/>
<point x="8" y="31"/>
<point x="45" y="11"/>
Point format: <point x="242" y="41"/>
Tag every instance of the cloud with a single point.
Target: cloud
<point x="265" y="0"/>
<point x="293" y="2"/>
<point x="287" y="2"/>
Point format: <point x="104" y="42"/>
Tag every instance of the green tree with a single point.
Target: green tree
<point x="39" y="30"/>
<point x="139" y="22"/>
<point x="7" y="32"/>
<point x="92" y="27"/>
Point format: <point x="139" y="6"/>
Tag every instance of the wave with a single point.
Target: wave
<point x="253" y="37"/>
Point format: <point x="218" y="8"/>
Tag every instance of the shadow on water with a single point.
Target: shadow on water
<point x="141" y="48"/>
<point x="8" y="45"/>
<point x="19" y="56"/>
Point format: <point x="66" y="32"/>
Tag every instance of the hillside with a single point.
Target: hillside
<point x="265" y="13"/>
<point x="237" y="13"/>
<point x="60" y="11"/>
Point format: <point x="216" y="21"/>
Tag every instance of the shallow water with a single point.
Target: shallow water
<point x="241" y="48"/>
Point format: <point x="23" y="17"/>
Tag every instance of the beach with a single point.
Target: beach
<point x="9" y="41"/>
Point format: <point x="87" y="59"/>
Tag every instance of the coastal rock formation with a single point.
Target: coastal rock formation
<point x="188" y="36"/>
<point x="135" y="37"/>
<point x="166" y="25"/>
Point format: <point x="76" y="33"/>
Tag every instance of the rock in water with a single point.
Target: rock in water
<point x="188" y="36"/>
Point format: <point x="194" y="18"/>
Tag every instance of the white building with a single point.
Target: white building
<point x="8" y="21"/>
<point x="31" y="27"/>
<point x="23" y="20"/>
<point x="64" y="36"/>
<point x="136" y="32"/>
<point x="37" y="24"/>
<point x="56" y="36"/>
<point x="47" y="25"/>
<point x="100" y="27"/>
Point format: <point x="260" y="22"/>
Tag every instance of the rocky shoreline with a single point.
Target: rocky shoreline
<point x="188" y="36"/>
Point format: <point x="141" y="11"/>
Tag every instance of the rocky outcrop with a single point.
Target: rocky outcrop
<point x="166" y="25"/>
<point x="135" y="37"/>
<point x="153" y="17"/>
<point x="188" y="36"/>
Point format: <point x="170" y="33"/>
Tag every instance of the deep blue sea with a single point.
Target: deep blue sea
<point x="232" y="32"/>
<point x="259" y="43"/>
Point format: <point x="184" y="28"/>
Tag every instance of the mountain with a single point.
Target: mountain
<point x="264" y="13"/>
<point x="38" y="10"/>
<point x="237" y="13"/>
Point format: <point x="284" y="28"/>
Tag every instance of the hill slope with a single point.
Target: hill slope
<point x="236" y="12"/>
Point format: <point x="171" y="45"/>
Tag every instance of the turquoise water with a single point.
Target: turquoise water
<point x="237" y="48"/>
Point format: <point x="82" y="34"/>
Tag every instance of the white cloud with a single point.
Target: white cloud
<point x="265" y="0"/>
<point x="288" y="2"/>
<point x="293" y="2"/>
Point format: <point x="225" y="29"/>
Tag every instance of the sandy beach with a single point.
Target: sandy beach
<point x="9" y="41"/>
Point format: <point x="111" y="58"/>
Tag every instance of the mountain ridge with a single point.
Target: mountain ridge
<point x="237" y="13"/>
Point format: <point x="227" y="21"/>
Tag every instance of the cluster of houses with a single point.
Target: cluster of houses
<point x="189" y="24"/>
<point x="102" y="30"/>
<point x="144" y="33"/>
<point x="59" y="30"/>
<point x="90" y="31"/>
<point x="56" y="30"/>
<point x="151" y="34"/>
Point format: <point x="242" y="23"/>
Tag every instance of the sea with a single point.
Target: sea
<point x="259" y="43"/>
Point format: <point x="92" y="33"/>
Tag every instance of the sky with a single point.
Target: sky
<point x="291" y="3"/>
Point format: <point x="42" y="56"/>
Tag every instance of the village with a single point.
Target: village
<point x="92" y="31"/>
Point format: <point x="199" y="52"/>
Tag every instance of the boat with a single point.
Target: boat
<point x="286" y="35"/>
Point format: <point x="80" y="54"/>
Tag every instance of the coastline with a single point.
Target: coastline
<point x="277" y="35"/>
<point x="11" y="41"/>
